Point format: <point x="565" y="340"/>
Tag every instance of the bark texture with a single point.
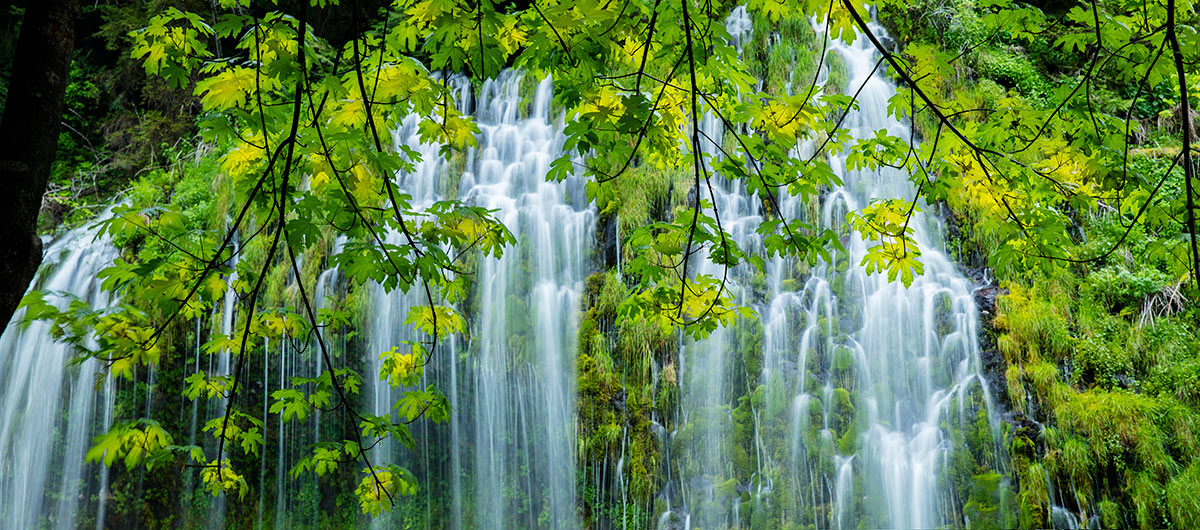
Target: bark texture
<point x="29" y="139"/>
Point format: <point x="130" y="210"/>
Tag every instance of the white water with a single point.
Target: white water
<point x="48" y="410"/>
<point x="857" y="373"/>
<point x="507" y="457"/>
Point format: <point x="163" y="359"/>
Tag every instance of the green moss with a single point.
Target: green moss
<point x="1035" y="497"/>
<point x="749" y="337"/>
<point x="987" y="505"/>
<point x="645" y="194"/>
<point x="838" y="286"/>
<point x="452" y="172"/>
<point x="843" y="358"/>
<point x="727" y="489"/>
<point x="528" y="91"/>
<point x="848" y="443"/>
<point x="843" y="410"/>
<point x="741" y="446"/>
<point x="519" y="330"/>
<point x="838" y="73"/>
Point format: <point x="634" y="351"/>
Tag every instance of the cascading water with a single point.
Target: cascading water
<point x="845" y="421"/>
<point x="507" y="457"/>
<point x="48" y="410"/>
<point x="834" y="409"/>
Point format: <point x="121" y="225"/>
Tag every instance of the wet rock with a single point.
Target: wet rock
<point x="993" y="363"/>
<point x="618" y="401"/>
<point x="1126" y="382"/>
<point x="606" y="241"/>
<point x="787" y="367"/>
<point x="985" y="299"/>
<point x="700" y="483"/>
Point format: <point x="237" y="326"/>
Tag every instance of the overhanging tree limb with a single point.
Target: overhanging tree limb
<point x="1189" y="169"/>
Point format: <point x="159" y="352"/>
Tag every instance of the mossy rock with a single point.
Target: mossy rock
<point x="528" y="93"/>
<point x="838" y="286"/>
<point x="838" y="79"/>
<point x="842" y="263"/>
<point x="987" y="507"/>
<point x="843" y="409"/>
<point x="1034" y="497"/>
<point x="848" y="443"/>
<point x="843" y="359"/>
<point x="727" y="489"/>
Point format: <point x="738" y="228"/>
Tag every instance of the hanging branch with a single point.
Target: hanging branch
<point x="281" y="205"/>
<point x="1189" y="169"/>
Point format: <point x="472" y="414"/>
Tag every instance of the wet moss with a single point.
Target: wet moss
<point x="452" y="170"/>
<point x="838" y="79"/>
<point x="749" y="338"/>
<point x="987" y="505"/>
<point x="727" y="489"/>
<point x="842" y="410"/>
<point x="741" y="446"/>
<point x="1035" y="497"/>
<point x="843" y="360"/>
<point x="528" y="91"/>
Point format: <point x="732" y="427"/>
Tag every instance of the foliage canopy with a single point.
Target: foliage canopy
<point x="304" y="124"/>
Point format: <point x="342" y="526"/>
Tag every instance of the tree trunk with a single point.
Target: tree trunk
<point x="29" y="139"/>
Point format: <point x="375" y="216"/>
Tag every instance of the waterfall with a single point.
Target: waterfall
<point x="843" y="420"/>
<point x="48" y="410"/>
<point x="506" y="459"/>
<point x="841" y="406"/>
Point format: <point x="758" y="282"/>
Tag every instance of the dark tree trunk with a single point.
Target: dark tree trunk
<point x="29" y="139"/>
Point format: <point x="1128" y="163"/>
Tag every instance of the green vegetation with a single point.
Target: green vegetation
<point x="1095" y="351"/>
<point x="1051" y="140"/>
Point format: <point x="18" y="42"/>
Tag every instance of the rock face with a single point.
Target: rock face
<point x="992" y="360"/>
<point x="974" y="265"/>
<point x="607" y="241"/>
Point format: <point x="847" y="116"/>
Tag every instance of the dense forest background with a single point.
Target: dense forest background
<point x="1054" y="142"/>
